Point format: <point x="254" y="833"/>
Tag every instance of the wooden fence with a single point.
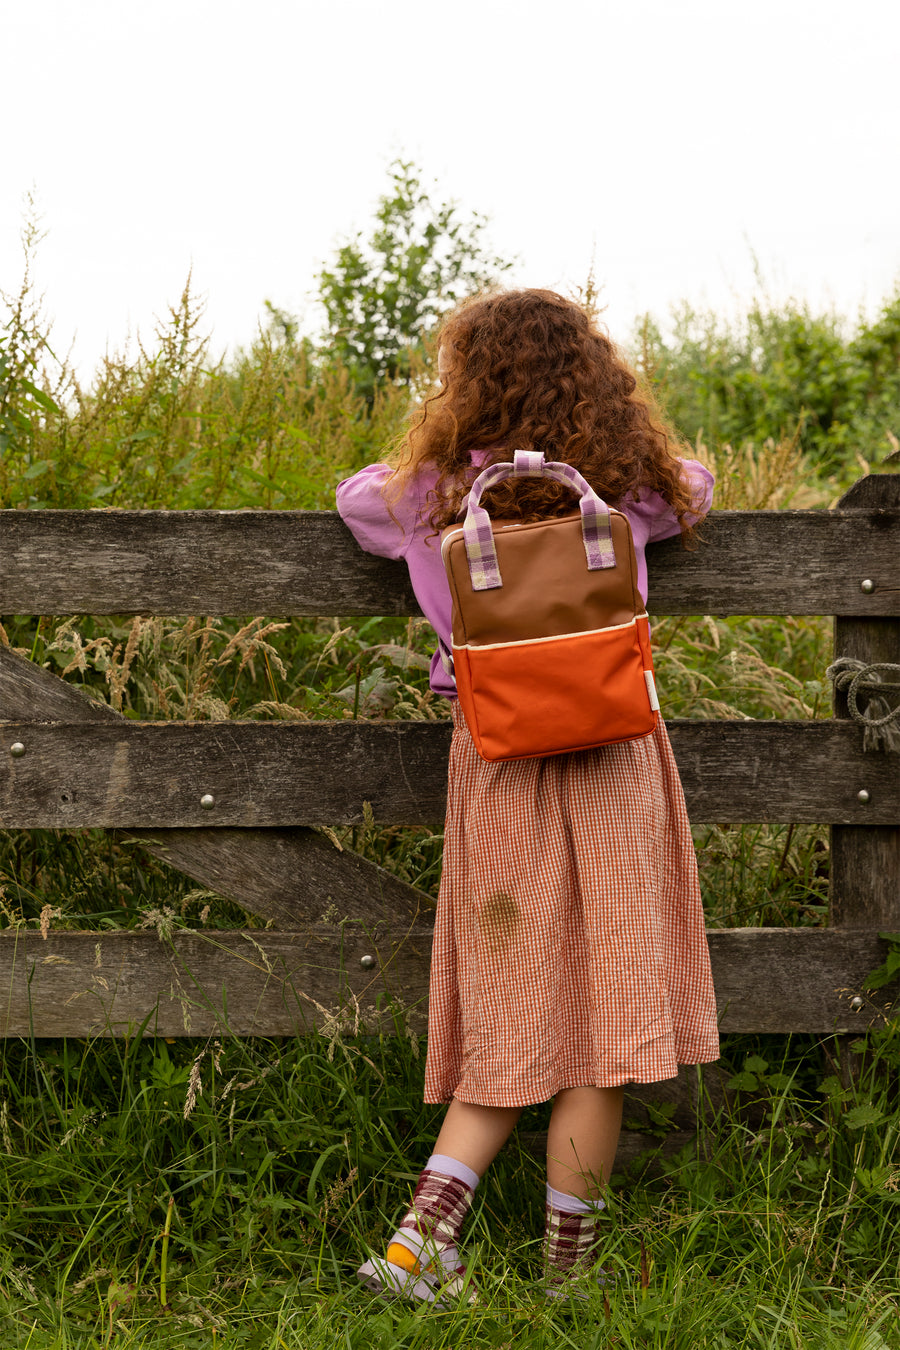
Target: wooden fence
<point x="231" y="804"/>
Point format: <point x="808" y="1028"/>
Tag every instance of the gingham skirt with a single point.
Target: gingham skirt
<point x="569" y="943"/>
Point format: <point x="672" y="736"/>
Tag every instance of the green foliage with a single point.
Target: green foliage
<point x="891" y="968"/>
<point x="168" y="428"/>
<point x="278" y="426"/>
<point x="777" y="372"/>
<point x="384" y="295"/>
<point x="282" y="421"/>
<point x="169" y="1194"/>
<point x="25" y="404"/>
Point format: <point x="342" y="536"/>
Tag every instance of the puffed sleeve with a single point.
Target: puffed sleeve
<point x="362" y="507"/>
<point x="659" y="519"/>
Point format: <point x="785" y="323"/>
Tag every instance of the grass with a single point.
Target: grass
<point x="170" y="1194"/>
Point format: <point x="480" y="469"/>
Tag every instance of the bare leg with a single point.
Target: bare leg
<point x="474" y="1135"/>
<point x="582" y="1139"/>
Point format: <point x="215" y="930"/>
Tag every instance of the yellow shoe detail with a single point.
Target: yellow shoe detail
<point x="398" y="1255"/>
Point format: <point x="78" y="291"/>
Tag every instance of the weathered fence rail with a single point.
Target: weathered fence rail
<point x="231" y="804"/>
<point x="280" y="983"/>
<point x="123" y="776"/>
<point x="306" y="563"/>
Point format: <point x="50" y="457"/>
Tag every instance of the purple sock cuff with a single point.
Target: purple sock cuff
<point x="572" y="1204"/>
<point x="440" y="1162"/>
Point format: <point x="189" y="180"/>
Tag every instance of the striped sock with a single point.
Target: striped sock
<point x="570" y="1236"/>
<point x="430" y="1229"/>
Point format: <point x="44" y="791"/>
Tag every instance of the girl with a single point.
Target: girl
<point x="569" y="955"/>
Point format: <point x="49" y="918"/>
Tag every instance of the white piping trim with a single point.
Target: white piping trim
<point x="555" y="637"/>
<point x="448" y="539"/>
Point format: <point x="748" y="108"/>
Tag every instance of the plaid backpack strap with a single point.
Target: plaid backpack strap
<point x="595" y="526"/>
<point x="479" y="537"/>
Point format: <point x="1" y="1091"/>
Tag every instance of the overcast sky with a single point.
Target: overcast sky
<point x="672" y="141"/>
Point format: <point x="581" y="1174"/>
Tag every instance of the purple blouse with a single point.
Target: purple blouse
<point x="363" y="509"/>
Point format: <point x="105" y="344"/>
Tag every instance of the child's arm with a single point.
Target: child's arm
<point x="659" y="518"/>
<point x="362" y="507"/>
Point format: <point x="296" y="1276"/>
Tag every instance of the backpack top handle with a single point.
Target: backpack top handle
<point x="479" y="536"/>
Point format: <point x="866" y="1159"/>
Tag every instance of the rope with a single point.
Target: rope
<point x="881" y="721"/>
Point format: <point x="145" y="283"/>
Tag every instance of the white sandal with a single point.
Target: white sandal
<point x="388" y="1280"/>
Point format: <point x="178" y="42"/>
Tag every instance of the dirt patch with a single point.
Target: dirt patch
<point x="499" y="920"/>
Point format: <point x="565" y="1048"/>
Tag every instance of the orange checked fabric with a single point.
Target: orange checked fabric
<point x="569" y="945"/>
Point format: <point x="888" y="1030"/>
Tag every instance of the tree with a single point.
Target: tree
<point x="384" y="295"/>
<point x="780" y="370"/>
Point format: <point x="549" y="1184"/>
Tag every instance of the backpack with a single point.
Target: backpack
<point x="551" y="640"/>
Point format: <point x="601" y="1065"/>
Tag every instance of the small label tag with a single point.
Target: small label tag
<point x="651" y="690"/>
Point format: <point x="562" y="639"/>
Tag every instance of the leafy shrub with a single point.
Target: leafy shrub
<point x="780" y="372"/>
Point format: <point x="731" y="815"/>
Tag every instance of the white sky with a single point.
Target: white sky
<point x="670" y="139"/>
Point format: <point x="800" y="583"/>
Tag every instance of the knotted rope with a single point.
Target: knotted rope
<point x="881" y="721"/>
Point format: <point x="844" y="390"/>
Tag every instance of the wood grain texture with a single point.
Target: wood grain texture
<point x="289" y="876"/>
<point x="239" y="983"/>
<point x="28" y="693"/>
<point x="132" y="775"/>
<point x="794" y="979"/>
<point x="781" y="771"/>
<point x="280" y="983"/>
<point x="286" y="875"/>
<point x="154" y="775"/>
<point x="193" y="562"/>
<point x="865" y="857"/>
<point x="307" y="563"/>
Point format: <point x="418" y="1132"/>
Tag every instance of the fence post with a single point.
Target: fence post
<point x="865" y="859"/>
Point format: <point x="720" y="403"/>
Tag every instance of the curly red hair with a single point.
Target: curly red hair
<point x="528" y="370"/>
